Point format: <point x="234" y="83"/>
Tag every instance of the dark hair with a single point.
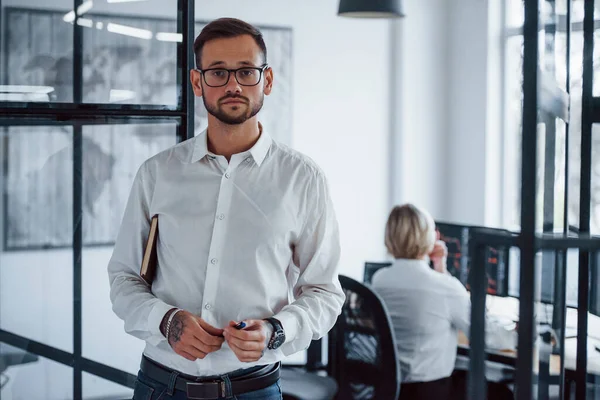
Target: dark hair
<point x="227" y="28"/>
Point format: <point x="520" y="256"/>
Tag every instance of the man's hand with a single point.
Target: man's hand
<point x="191" y="337"/>
<point x="439" y="254"/>
<point x="248" y="344"/>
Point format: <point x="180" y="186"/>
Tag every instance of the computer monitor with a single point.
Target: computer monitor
<point x="457" y="238"/>
<point x="545" y="265"/>
<point x="371" y="268"/>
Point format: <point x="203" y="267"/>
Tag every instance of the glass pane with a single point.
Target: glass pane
<point x="572" y="277"/>
<point x="37" y="58"/>
<point x="553" y="57"/>
<point x="596" y="80"/>
<point x="112" y="155"/>
<point x="593" y="388"/>
<point x="130" y="52"/>
<point x="559" y="175"/>
<point x="36" y="274"/>
<point x="551" y="174"/>
<point x="595" y="288"/>
<point x="550" y="317"/>
<point x="595" y="181"/>
<point x="95" y="388"/>
<point x="513" y="131"/>
<point x="542" y="132"/>
<point x="515" y="13"/>
<point x="32" y="377"/>
<point x="574" y="136"/>
<point x="276" y="114"/>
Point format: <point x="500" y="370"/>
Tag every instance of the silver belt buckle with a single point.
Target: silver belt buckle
<point x="217" y="390"/>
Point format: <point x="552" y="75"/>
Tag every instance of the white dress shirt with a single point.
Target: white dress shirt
<point x="427" y="309"/>
<point x="251" y="238"/>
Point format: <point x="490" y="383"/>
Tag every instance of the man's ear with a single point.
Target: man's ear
<point x="268" y="81"/>
<point x="196" y="80"/>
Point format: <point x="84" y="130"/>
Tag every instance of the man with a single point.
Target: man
<point x="248" y="241"/>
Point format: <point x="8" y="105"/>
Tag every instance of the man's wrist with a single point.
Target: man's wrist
<point x="163" y="323"/>
<point x="269" y="332"/>
<point x="277" y="336"/>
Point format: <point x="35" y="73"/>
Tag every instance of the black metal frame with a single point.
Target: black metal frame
<point x="68" y="359"/>
<point x="542" y="98"/>
<point x="585" y="196"/>
<point x="77" y="114"/>
<point x="528" y="196"/>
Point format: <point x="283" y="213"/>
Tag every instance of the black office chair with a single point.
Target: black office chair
<point x="310" y="382"/>
<point x="300" y="384"/>
<point x="362" y="355"/>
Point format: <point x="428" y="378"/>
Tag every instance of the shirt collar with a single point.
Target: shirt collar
<point x="258" y="151"/>
<point x="411" y="262"/>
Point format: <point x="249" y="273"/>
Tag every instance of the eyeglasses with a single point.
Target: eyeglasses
<point x="247" y="76"/>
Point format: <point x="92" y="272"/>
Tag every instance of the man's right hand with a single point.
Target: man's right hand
<point x="191" y="337"/>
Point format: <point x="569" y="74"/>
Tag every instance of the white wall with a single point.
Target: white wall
<point x="475" y="125"/>
<point x="446" y="154"/>
<point x="418" y="148"/>
<point x="341" y="117"/>
<point x="467" y="76"/>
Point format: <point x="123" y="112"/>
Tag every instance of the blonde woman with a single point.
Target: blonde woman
<point x="427" y="306"/>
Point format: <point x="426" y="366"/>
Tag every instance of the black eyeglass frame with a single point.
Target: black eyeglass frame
<point x="260" y="70"/>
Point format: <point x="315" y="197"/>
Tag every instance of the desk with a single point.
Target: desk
<point x="509" y="307"/>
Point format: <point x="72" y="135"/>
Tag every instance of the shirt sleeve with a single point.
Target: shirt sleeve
<point x="318" y="293"/>
<point x="496" y="336"/>
<point x="131" y="297"/>
<point x="459" y="304"/>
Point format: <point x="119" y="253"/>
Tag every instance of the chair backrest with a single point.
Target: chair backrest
<point x="362" y="349"/>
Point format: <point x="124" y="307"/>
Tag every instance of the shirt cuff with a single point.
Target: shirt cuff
<point x="154" y="319"/>
<point x="290" y="325"/>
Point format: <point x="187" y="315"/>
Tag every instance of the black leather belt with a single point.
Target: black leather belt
<point x="212" y="388"/>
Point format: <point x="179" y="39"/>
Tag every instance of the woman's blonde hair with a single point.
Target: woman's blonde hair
<point x="409" y="232"/>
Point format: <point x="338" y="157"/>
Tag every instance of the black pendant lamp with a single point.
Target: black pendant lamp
<point x="371" y="8"/>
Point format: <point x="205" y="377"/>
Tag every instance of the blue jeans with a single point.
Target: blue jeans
<point x="149" y="389"/>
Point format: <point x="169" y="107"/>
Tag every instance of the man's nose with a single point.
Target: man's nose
<point x="232" y="85"/>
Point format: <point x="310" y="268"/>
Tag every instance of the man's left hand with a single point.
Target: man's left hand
<point x="248" y="344"/>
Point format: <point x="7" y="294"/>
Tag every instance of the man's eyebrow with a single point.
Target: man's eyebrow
<point x="214" y="63"/>
<point x="219" y="63"/>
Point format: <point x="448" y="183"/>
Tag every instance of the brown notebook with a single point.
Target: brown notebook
<point x="150" y="260"/>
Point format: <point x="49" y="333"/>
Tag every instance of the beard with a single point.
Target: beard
<point x="225" y="117"/>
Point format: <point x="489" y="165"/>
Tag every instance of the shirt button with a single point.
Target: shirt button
<point x="227" y="175"/>
<point x="214" y="261"/>
<point x="221" y="216"/>
<point x="248" y="159"/>
<point x="208" y="306"/>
